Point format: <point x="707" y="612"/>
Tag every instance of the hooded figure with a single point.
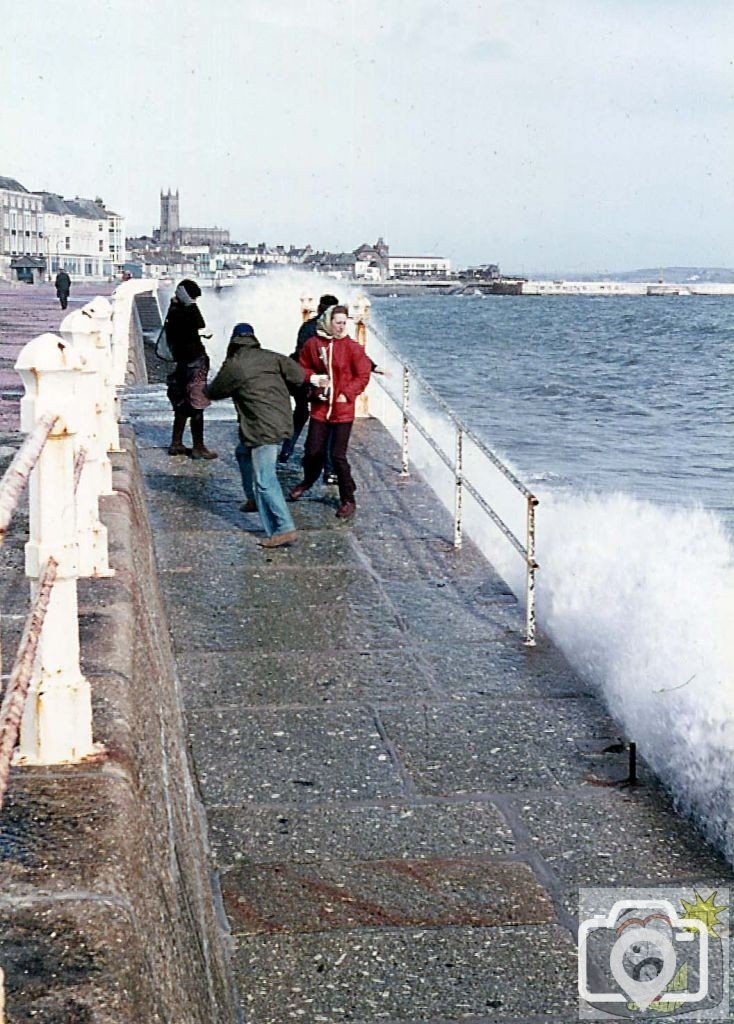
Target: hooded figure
<point x="257" y="381"/>
<point x="187" y="383"/>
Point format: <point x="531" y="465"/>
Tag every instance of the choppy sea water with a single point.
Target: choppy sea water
<point x="618" y="413"/>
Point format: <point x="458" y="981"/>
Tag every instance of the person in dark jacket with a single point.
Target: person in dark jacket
<point x="187" y="383"/>
<point x="63" y="287"/>
<point x="347" y="368"/>
<point x="258" y="381"/>
<point x="300" y="413"/>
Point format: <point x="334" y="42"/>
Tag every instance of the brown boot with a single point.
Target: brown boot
<point x="279" y="540"/>
<point x="297" y="492"/>
<point x="203" y="453"/>
<point x="346" y="510"/>
<point x="248" y="506"/>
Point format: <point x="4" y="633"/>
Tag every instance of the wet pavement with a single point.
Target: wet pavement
<point x="402" y="798"/>
<point x="25" y="312"/>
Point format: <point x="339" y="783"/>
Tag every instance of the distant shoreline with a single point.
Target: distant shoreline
<point x="536" y="288"/>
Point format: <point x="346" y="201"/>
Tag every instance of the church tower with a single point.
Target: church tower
<point x="169" y="216"/>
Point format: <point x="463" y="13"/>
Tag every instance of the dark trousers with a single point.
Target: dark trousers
<point x="319" y="434"/>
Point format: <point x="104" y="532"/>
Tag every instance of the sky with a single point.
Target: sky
<point x="564" y="135"/>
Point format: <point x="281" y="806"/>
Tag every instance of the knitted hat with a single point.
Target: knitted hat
<point x="191" y="288"/>
<point x="240" y="329"/>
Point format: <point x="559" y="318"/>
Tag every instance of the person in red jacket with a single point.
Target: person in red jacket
<point x="342" y="369"/>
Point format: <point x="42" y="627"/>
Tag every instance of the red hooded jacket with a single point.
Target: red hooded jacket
<point x="349" y="372"/>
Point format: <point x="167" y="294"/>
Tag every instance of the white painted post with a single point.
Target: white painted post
<point x="89" y="329"/>
<point x="57" y="723"/>
<point x="361" y="314"/>
<point x="308" y="307"/>
<point x="85" y="329"/>
<point x="122" y="308"/>
<point x="2" y="997"/>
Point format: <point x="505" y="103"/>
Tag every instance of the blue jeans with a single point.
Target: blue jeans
<point x="261" y="485"/>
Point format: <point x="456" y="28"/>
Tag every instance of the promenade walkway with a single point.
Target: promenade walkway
<point x="402" y="799"/>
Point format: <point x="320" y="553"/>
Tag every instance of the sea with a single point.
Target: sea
<point x="618" y="414"/>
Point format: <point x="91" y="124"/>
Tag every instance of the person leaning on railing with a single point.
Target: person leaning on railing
<point x="187" y="382"/>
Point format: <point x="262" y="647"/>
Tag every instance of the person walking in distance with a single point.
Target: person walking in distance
<point x="301" y="412"/>
<point x="347" y="368"/>
<point x="63" y="287"/>
<point x="187" y="382"/>
<point x="258" y="380"/>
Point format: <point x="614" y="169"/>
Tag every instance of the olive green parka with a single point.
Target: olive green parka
<point x="257" y="380"/>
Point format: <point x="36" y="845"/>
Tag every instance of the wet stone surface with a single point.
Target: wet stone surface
<point x="402" y="798"/>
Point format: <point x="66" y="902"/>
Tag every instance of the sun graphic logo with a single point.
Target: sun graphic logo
<point x="653" y="953"/>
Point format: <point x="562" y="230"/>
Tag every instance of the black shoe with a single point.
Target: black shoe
<point x="283" y="455"/>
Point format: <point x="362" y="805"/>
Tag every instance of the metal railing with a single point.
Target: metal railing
<point x="455" y="462"/>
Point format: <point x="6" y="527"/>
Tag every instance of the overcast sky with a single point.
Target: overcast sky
<point x="539" y="134"/>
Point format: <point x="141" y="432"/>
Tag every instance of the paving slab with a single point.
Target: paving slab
<point x="408" y="974"/>
<point x="301" y="755"/>
<point x="344" y="832"/>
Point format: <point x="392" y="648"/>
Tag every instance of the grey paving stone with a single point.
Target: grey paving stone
<point x="408" y="974"/>
<point x="213" y="554"/>
<point x="501" y="667"/>
<point x="303" y="756"/>
<point x="228" y="623"/>
<point x="431" y="893"/>
<point x="617" y="838"/>
<point x="325" y="832"/>
<point x="420" y="557"/>
<point x="304" y="677"/>
<point x="434" y="610"/>
<point x="502" y="746"/>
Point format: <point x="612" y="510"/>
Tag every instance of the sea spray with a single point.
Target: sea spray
<point x="271" y="303"/>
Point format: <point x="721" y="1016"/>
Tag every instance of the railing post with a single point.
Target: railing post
<point x="57" y="723"/>
<point x="361" y="315"/>
<point x="531" y="567"/>
<point x="88" y="330"/>
<point x="458" y="486"/>
<point x="404" y="470"/>
<point x="308" y="307"/>
<point x="2" y="997"/>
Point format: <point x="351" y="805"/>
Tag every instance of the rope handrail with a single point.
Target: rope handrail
<point x="467" y="431"/>
<point x="16" y="694"/>
<point x="16" y="475"/>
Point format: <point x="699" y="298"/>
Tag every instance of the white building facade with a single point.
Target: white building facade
<point x="82" y="236"/>
<point x="21" y="223"/>
<point x="418" y="266"/>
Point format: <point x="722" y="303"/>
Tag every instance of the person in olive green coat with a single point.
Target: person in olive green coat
<point x="257" y="380"/>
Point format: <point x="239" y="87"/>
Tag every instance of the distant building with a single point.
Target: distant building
<point x="418" y="266"/>
<point x="21" y="227"/>
<point x="82" y="236"/>
<point x="172" y="234"/>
